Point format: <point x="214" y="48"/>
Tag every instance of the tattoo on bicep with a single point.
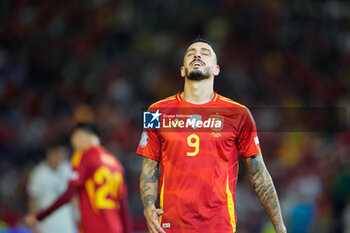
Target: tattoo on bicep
<point x="150" y="173"/>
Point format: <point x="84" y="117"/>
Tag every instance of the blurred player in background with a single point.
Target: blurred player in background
<point x="98" y="178"/>
<point x="198" y="171"/>
<point x="48" y="180"/>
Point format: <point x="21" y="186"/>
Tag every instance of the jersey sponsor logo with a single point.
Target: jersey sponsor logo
<point x="151" y="120"/>
<point x="144" y="139"/>
<point x="256" y="140"/>
<point x="166" y="225"/>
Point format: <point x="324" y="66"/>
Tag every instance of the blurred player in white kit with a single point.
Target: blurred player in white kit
<point x="48" y="180"/>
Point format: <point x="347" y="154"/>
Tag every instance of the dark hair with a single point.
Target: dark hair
<point x="200" y="39"/>
<point x="88" y="127"/>
<point x="54" y="145"/>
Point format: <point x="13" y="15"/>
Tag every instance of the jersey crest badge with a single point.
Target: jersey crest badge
<point x="216" y="118"/>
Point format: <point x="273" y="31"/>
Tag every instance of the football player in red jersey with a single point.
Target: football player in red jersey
<point x="98" y="179"/>
<point x="195" y="172"/>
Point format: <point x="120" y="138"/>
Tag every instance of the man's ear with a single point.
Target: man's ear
<point x="216" y="70"/>
<point x="182" y="69"/>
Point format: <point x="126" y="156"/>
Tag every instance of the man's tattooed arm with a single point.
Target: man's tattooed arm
<point x="264" y="188"/>
<point x="149" y="180"/>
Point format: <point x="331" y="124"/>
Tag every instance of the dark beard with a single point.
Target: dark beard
<point x="197" y="74"/>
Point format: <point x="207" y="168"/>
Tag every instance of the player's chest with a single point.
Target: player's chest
<point x="206" y="136"/>
<point x="208" y="130"/>
<point x="191" y="144"/>
<point x="53" y="182"/>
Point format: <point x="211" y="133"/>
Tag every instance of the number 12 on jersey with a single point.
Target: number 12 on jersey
<point x="193" y="141"/>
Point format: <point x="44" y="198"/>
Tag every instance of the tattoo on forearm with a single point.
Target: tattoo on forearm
<point x="148" y="201"/>
<point x="265" y="190"/>
<point x="149" y="182"/>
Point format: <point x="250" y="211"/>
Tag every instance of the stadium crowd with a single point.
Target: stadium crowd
<point x="62" y="62"/>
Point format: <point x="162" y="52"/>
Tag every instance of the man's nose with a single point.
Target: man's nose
<point x="197" y="55"/>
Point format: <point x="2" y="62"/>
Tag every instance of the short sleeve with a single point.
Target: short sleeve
<point x="149" y="145"/>
<point x="80" y="165"/>
<point x="248" y="142"/>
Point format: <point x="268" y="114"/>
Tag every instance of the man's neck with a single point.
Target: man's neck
<point x="198" y="92"/>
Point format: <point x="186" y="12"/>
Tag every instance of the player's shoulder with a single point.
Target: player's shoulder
<point x="39" y="170"/>
<point x="166" y="102"/>
<point x="76" y="158"/>
<point x="109" y="159"/>
<point x="231" y="103"/>
<point x="86" y="155"/>
<point x="64" y="167"/>
<point x="234" y="106"/>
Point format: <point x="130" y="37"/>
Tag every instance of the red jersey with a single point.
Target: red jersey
<point x="199" y="168"/>
<point x="101" y="180"/>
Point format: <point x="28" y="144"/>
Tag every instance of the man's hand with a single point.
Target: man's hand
<point x="152" y="216"/>
<point x="281" y="229"/>
<point x="30" y="220"/>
